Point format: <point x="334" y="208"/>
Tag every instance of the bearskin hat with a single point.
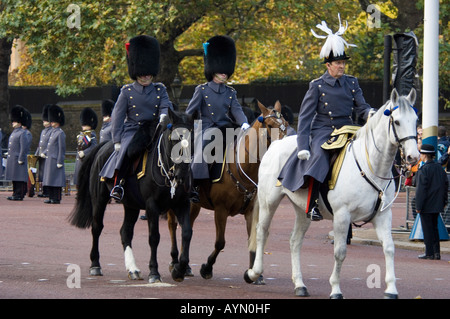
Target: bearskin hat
<point x="88" y="117"/>
<point x="28" y="119"/>
<point x="45" y="112"/>
<point x="219" y="56"/>
<point x="18" y="114"/>
<point x="56" y="114"/>
<point x="143" y="56"/>
<point x="107" y="107"/>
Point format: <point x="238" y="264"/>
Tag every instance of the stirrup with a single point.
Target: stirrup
<point x="117" y="192"/>
<point x="314" y="214"/>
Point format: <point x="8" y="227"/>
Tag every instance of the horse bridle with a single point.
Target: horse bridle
<point x="168" y="173"/>
<point x="403" y="166"/>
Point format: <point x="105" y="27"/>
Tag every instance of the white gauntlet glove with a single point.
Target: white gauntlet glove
<point x="117" y="146"/>
<point x="59" y="165"/>
<point x="80" y="154"/>
<point x="303" y="155"/>
<point x="245" y="126"/>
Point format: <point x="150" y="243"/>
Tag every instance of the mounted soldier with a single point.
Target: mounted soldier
<point x="327" y="105"/>
<point x="216" y="102"/>
<point x="138" y="103"/>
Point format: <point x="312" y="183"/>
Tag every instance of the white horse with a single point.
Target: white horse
<point x="354" y="198"/>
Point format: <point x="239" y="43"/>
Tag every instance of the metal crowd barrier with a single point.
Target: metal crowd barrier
<point x="411" y="208"/>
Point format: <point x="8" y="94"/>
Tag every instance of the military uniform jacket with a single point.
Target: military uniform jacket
<point x="431" y="188"/>
<point x="215" y="103"/>
<point x="18" y="148"/>
<point x="135" y="105"/>
<point x="86" y="146"/>
<point x="105" y="132"/>
<point x="327" y="105"/>
<point x="42" y="148"/>
<point x="56" y="152"/>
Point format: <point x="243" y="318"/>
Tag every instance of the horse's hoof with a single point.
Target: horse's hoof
<point x="189" y="272"/>
<point x="337" y="296"/>
<point x="390" y="296"/>
<point x="153" y="279"/>
<point x="247" y="277"/>
<point x="206" y="273"/>
<point x="177" y="275"/>
<point x="95" y="271"/>
<point x="260" y="281"/>
<point x="301" y="292"/>
<point x="135" y="275"/>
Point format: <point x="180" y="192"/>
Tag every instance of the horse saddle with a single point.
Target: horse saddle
<point x="337" y="144"/>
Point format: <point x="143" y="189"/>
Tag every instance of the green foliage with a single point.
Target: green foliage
<point x="273" y="37"/>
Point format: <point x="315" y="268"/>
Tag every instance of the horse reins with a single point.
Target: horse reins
<point x="371" y="182"/>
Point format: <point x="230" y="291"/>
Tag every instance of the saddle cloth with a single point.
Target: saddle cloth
<point x="338" y="143"/>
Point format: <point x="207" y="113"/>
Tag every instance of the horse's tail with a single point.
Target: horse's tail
<point x="255" y="219"/>
<point x="81" y="215"/>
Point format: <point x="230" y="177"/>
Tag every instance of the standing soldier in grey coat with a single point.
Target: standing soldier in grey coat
<point x="32" y="170"/>
<point x="86" y="139"/>
<point x="105" y="131"/>
<point x="42" y="148"/>
<point x="18" y="148"/>
<point x="54" y="171"/>
<point x="140" y="102"/>
<point x="327" y="105"/>
<point x="216" y="102"/>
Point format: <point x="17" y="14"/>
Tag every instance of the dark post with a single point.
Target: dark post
<point x="387" y="67"/>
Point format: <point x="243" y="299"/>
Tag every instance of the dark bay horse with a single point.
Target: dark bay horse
<point x="235" y="192"/>
<point x="165" y="185"/>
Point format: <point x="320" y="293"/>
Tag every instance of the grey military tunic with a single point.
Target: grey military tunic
<point x="42" y="148"/>
<point x="18" y="148"/>
<point x="135" y="105"/>
<point x="327" y="105"/>
<point x="105" y="132"/>
<point x="215" y="102"/>
<point x="86" y="147"/>
<point x="56" y="151"/>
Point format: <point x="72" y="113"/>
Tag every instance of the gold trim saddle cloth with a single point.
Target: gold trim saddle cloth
<point x="337" y="143"/>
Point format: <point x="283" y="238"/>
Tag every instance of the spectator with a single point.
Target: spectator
<point x="443" y="144"/>
<point x="431" y="197"/>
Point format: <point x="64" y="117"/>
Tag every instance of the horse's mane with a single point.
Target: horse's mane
<point x="373" y="121"/>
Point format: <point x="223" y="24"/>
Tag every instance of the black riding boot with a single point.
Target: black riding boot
<point x="312" y="211"/>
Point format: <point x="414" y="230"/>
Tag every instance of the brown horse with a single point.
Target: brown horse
<point x="235" y="192"/>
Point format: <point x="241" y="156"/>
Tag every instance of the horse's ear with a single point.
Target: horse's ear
<point x="394" y="97"/>
<point x="262" y="107"/>
<point x="412" y="96"/>
<point x="277" y="106"/>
